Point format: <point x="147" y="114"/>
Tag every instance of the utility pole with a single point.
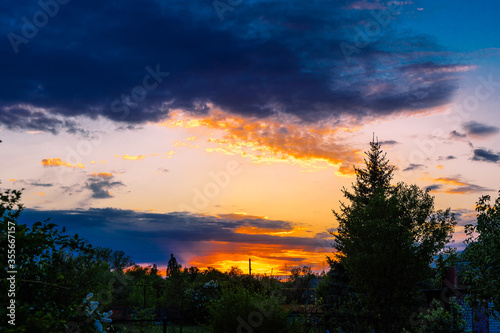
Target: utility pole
<point x="250" y="266"/>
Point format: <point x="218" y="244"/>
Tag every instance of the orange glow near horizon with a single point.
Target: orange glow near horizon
<point x="266" y="258"/>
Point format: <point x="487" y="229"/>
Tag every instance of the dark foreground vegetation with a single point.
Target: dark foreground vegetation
<point x="390" y="259"/>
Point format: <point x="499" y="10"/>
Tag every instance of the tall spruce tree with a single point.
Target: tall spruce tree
<point x="376" y="177"/>
<point x="387" y="239"/>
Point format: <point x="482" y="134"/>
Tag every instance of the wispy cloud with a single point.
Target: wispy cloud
<point x="462" y="187"/>
<point x="55" y="162"/>
<point x="456" y="135"/>
<point x="446" y="180"/>
<point x="35" y="119"/>
<point x="413" y="167"/>
<point x="468" y="189"/>
<point x="365" y="5"/>
<point x="389" y="143"/>
<point x="447" y="158"/>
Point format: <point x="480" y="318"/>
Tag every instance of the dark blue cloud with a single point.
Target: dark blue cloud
<point x="485" y="155"/>
<point x="467" y="189"/>
<point x="474" y="128"/>
<point x="151" y="237"/>
<point x="456" y="135"/>
<point x="433" y="187"/>
<point x="112" y="58"/>
<point x="449" y="157"/>
<point x="100" y="188"/>
<point x="389" y="143"/>
<point x="413" y="166"/>
<point x="465" y="216"/>
<point x="42" y="184"/>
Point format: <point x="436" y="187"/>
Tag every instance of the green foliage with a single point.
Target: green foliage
<point x="212" y="274"/>
<point x="198" y="298"/>
<point x="239" y="310"/>
<point x="298" y="288"/>
<point x="235" y="271"/>
<point x="192" y="273"/>
<point x="341" y="306"/>
<point x="482" y="274"/>
<point x="375" y="177"/>
<point x="387" y="238"/>
<point x="173" y="266"/>
<point x="117" y="259"/>
<point x="145" y="289"/>
<point x="447" y="258"/>
<point x="54" y="271"/>
<point x="440" y="320"/>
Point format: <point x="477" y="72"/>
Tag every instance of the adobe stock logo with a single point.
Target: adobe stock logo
<point x="138" y="93"/>
<point x="219" y="181"/>
<point x="221" y="7"/>
<point x="40" y="19"/>
<point x="85" y="147"/>
<point x="370" y="31"/>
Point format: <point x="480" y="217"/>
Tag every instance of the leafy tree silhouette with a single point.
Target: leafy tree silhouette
<point x="387" y="239"/>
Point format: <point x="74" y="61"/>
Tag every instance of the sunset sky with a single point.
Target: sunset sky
<point x="225" y="130"/>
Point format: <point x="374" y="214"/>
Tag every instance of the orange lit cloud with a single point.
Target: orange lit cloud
<point x="131" y="157"/>
<point x="445" y="180"/>
<point x="170" y="154"/>
<point x="242" y="216"/>
<point x="450" y="181"/>
<point x="251" y="230"/>
<point x="51" y="162"/>
<point x="462" y="187"/>
<point x="12" y="180"/>
<point x="180" y="144"/>
<point x="273" y="140"/>
<point x="258" y="230"/>
<point x="101" y="174"/>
